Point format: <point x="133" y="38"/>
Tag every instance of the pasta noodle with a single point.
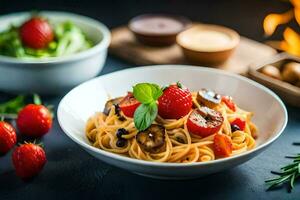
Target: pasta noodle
<point x="180" y="145"/>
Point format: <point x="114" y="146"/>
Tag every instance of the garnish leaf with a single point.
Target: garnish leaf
<point x="144" y="115"/>
<point x="11" y="108"/>
<point x="143" y="92"/>
<point x="288" y="174"/>
<point x="147" y="94"/>
<point x="13" y="105"/>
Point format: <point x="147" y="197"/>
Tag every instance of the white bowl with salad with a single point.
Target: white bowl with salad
<point x="50" y="52"/>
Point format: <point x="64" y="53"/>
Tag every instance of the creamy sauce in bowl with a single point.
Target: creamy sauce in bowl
<point x="206" y="39"/>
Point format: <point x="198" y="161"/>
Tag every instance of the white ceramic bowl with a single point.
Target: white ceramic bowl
<point x="58" y="74"/>
<point x="83" y="101"/>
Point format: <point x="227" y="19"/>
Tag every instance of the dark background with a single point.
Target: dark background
<point x="245" y="16"/>
<point x="71" y="173"/>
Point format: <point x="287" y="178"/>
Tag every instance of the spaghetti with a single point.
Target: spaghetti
<point x="180" y="145"/>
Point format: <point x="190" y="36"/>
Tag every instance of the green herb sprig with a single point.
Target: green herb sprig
<point x="11" y="108"/>
<point x="288" y="174"/>
<point x="147" y="94"/>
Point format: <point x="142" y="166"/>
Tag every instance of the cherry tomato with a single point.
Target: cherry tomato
<point x="8" y="137"/>
<point x="229" y="103"/>
<point x="240" y="123"/>
<point x="222" y="145"/>
<point x="36" y="33"/>
<point x="28" y="160"/>
<point x="129" y="104"/>
<point x="34" y="120"/>
<point x="204" y="121"/>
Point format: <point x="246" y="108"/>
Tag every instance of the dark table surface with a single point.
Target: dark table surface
<point x="71" y="173"/>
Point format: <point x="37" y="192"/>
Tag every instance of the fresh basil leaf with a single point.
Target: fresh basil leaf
<point x="143" y="92"/>
<point x="144" y="115"/>
<point x="13" y="105"/>
<point x="147" y="92"/>
<point x="156" y="91"/>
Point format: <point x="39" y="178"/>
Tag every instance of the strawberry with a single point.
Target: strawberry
<point x="175" y="102"/>
<point x="28" y="160"/>
<point x="8" y="137"/>
<point x="36" y="33"/>
<point x="34" y="120"/>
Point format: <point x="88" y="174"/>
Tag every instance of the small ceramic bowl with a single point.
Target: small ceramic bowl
<point x="79" y="104"/>
<point x="58" y="74"/>
<point x="205" y="44"/>
<point x="158" y="29"/>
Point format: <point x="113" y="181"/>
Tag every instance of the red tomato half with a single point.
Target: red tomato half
<point x="129" y="104"/>
<point x="222" y="145"/>
<point x="204" y="122"/>
<point x="36" y="33"/>
<point x="229" y="103"/>
<point x="240" y="123"/>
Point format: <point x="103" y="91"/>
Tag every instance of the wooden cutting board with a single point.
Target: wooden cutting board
<point x="125" y="46"/>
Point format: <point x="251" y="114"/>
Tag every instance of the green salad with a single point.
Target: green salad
<point x="36" y="38"/>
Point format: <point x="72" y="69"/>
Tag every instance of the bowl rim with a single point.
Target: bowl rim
<point x="174" y="165"/>
<point x="103" y="44"/>
<point x="232" y="33"/>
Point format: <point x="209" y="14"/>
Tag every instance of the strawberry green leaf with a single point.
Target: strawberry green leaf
<point x="156" y="91"/>
<point x="179" y="84"/>
<point x="36" y="99"/>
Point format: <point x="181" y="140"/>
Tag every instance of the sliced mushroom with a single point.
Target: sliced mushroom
<point x="208" y="98"/>
<point x="152" y="139"/>
<point x="110" y="103"/>
<point x="211" y="116"/>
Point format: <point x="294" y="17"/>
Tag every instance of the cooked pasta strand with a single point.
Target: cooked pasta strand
<point x="180" y="145"/>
